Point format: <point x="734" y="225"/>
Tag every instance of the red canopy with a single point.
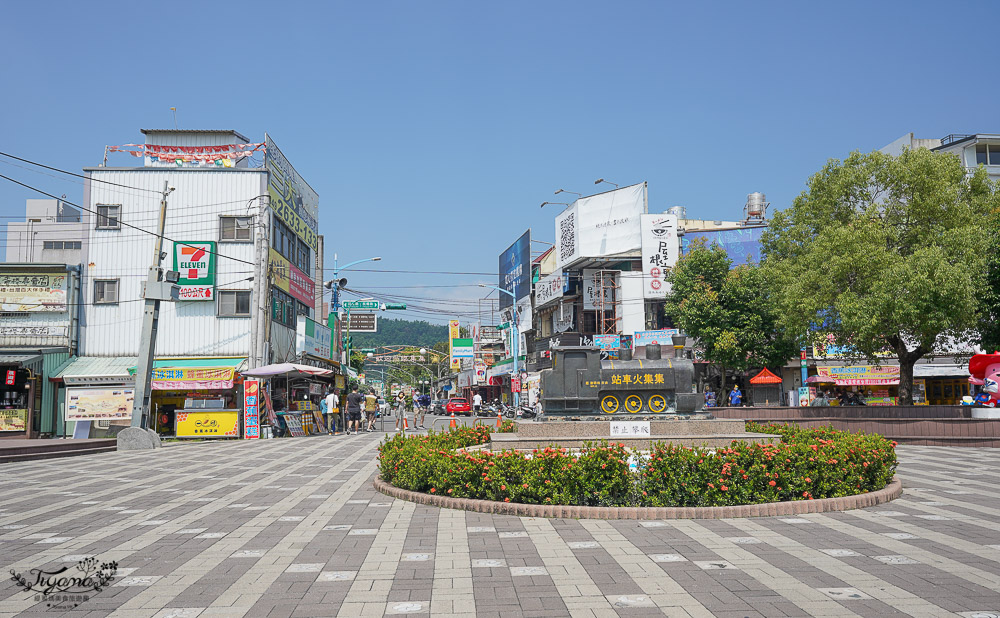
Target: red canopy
<point x="765" y="377"/>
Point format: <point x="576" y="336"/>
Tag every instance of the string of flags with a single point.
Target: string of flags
<point x="223" y="156"/>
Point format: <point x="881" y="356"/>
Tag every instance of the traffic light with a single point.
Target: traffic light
<point x="346" y="340"/>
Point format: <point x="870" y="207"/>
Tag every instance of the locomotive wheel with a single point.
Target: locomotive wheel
<point x="633" y="404"/>
<point x="657" y="403"/>
<point x="610" y="404"/>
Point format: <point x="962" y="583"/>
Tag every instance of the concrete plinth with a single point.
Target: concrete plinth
<point x="715" y="433"/>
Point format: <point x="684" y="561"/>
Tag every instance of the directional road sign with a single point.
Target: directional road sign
<point x="360" y="304"/>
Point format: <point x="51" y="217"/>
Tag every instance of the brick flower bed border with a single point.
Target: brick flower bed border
<point x="771" y="509"/>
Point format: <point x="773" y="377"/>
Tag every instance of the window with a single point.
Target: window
<point x="988" y="154"/>
<point x="105" y="291"/>
<point x="302" y="309"/>
<point x="234" y="303"/>
<point x="61" y="244"/>
<point x="303" y="257"/>
<point x="108" y="217"/>
<point x="235" y="228"/>
<point x="282" y="308"/>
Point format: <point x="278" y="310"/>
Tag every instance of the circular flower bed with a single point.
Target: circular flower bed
<point x="808" y="464"/>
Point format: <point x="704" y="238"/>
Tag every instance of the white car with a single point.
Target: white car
<point x="383" y="406"/>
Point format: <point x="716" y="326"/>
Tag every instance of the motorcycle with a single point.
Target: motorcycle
<point x="527" y="412"/>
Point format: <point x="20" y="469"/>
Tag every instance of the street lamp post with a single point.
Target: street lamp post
<point x="515" y="343"/>
<point x="334" y="285"/>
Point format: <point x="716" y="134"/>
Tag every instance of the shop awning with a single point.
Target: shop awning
<point x="19" y="359"/>
<point x="765" y="377"/>
<point x="290" y="370"/>
<point x="177" y="374"/>
<point x="940" y="371"/>
<point x="93" y="370"/>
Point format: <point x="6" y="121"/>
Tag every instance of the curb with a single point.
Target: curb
<point x="769" y="509"/>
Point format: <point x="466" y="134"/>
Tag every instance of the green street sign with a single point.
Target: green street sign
<point x="360" y="304"/>
<point x="504" y="326"/>
<point x="395" y="306"/>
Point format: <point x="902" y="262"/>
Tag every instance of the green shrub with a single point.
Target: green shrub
<point x="807" y="464"/>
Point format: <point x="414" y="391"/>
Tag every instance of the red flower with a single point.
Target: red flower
<point x="724" y="488"/>
<point x="433" y="489"/>
<point x="503" y="488"/>
<point x="771" y="483"/>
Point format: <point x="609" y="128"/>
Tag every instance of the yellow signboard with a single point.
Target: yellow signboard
<point x="207" y="424"/>
<point x="453" y="333"/>
<point x="13" y="420"/>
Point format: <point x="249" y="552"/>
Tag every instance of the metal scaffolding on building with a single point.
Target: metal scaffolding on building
<point x="606" y="282"/>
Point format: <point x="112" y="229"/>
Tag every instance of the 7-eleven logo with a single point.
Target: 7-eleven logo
<point x="195" y="260"/>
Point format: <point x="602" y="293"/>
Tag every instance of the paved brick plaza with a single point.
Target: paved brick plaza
<point x="293" y="528"/>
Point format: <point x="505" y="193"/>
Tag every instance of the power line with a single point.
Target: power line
<point x="56" y="169"/>
<point x="176" y="242"/>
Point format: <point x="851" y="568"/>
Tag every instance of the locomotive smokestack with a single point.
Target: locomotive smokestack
<point x="653" y="351"/>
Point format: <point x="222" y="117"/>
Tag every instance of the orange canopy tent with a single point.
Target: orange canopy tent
<point x="765" y="377"/>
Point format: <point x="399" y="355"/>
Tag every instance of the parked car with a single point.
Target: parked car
<point x="383" y="406"/>
<point x="459" y="405"/>
<point x="437" y="406"/>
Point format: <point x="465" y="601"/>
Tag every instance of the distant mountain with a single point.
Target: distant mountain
<point x="401" y="332"/>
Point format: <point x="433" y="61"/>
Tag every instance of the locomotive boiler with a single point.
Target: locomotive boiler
<point x="581" y="384"/>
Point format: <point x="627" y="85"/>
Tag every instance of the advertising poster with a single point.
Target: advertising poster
<point x="515" y="270"/>
<point x="660" y="248"/>
<point x="290" y="279"/>
<point x="312" y="338"/>
<point x="251" y="409"/>
<point x="647" y="337"/>
<point x="13" y="420"/>
<point x="804" y="396"/>
<point x="292" y="199"/>
<point x="453" y="334"/>
<point x="93" y="404"/>
<point x="32" y="292"/>
<point x="741" y="245"/>
<point x="600" y="225"/>
<point x="195" y="261"/>
<point x="207" y="424"/>
<point x="480" y="372"/>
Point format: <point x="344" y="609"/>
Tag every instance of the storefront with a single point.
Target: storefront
<point x="878" y="386"/>
<point x="196" y="397"/>
<point x="940" y="384"/>
<point x="20" y="394"/>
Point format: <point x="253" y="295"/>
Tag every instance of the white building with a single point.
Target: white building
<point x="973" y="149"/>
<point x="51" y="233"/>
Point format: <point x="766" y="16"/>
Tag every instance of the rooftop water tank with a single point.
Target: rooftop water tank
<point x="679" y="211"/>
<point x="756" y="205"/>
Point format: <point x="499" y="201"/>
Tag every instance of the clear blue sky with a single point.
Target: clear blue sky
<point x="433" y="130"/>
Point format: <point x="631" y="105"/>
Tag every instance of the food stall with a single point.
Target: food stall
<point x="879" y="386"/>
<point x="291" y="397"/>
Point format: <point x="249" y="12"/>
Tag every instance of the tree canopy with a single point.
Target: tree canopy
<point x="883" y="252"/>
<point x="729" y="310"/>
<point x="417" y="333"/>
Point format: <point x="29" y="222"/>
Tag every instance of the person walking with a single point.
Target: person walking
<point x="331" y="407"/>
<point x="354" y="403"/>
<point x="735" y="396"/>
<point x="477" y="403"/>
<point x="371" y="407"/>
<point x="425" y="402"/>
<point x="400" y="411"/>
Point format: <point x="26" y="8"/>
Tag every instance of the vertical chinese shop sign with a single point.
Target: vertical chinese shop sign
<point x="251" y="409"/>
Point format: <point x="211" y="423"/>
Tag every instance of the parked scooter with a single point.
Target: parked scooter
<point x="526" y="412"/>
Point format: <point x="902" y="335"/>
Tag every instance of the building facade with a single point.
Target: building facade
<point x="52" y="233"/>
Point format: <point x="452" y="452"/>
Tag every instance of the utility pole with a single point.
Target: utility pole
<point x="261" y="284"/>
<point x="156" y="290"/>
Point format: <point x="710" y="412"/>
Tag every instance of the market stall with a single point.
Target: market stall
<point x="196" y="397"/>
<point x="765" y="388"/>
<point x="291" y="397"/>
<point x="878" y="386"/>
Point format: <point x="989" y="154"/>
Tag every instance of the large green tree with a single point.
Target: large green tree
<point x="884" y="252"/>
<point x="989" y="297"/>
<point x="729" y="310"/>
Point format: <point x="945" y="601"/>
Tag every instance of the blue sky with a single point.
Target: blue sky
<point x="433" y="130"/>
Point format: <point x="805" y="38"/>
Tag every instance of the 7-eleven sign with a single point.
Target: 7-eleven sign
<point x="195" y="261"/>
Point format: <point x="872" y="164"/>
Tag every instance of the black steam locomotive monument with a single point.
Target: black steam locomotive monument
<point x="580" y="384"/>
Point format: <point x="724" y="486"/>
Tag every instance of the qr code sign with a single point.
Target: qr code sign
<point x="567" y="236"/>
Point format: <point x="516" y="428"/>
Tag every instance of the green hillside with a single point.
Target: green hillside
<point x="402" y="332"/>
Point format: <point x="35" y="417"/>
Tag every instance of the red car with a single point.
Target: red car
<point x="458" y="406"/>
